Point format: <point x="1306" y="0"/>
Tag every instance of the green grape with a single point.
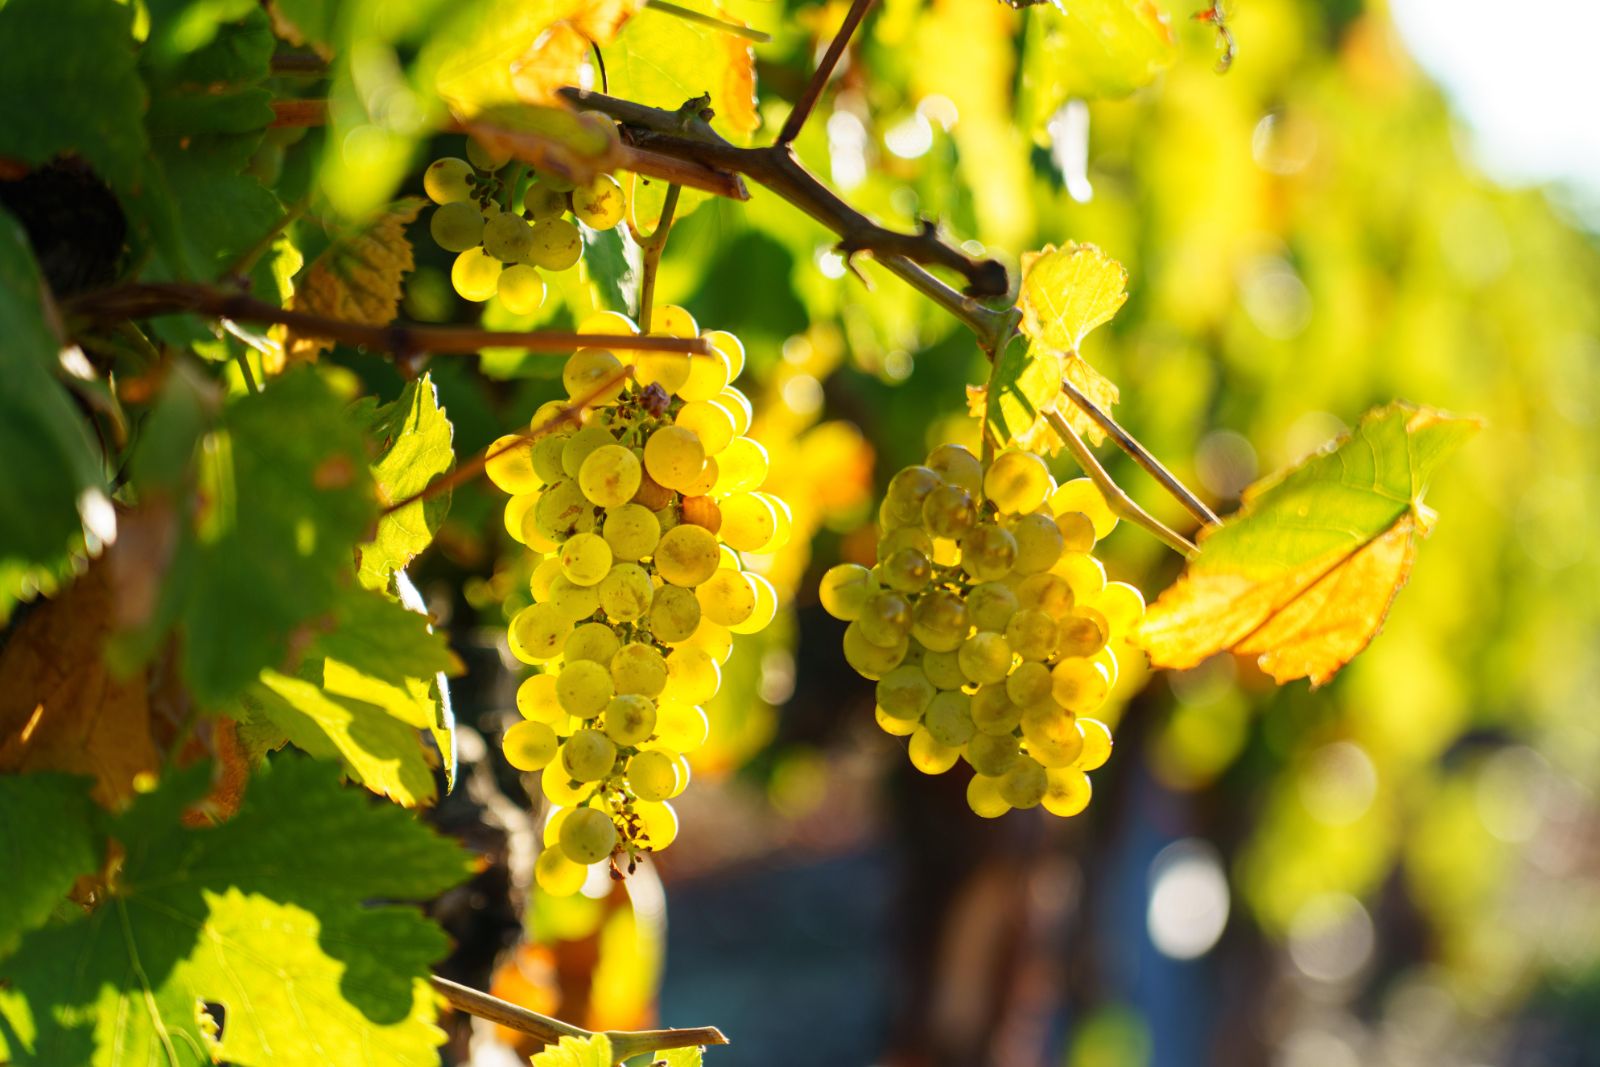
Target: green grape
<point x="988" y="552"/>
<point x="516" y="509"/>
<point x="1077" y="531"/>
<point x="1032" y="634"/>
<point x="585" y="559"/>
<point x="957" y="466"/>
<point x="659" y="822"/>
<point x="989" y="754"/>
<point x="544" y="575"/>
<point x="869" y="660"/>
<point x="449" y="181"/>
<point x="737" y="405"/>
<point x="557" y="512"/>
<point x="542" y="202"/>
<point x="1039" y="543"/>
<point x="905" y="692"/>
<point x="509" y="464"/>
<point x="1096" y="744"/>
<point x="486" y="159"/>
<point x="993" y="711"/>
<point x="1017" y="482"/>
<point x="1121" y="605"/>
<point x="943" y="668"/>
<point x="626" y="592"/>
<point x="558" y="785"/>
<point x="845" y="590"/>
<point x="1079" y="684"/>
<point x="928" y="755"/>
<point x="529" y="745"/>
<point x="749" y="521"/>
<point x="587" y="836"/>
<point x="984" y="658"/>
<point x="537" y="700"/>
<point x="588" y="755"/>
<point x="1084" y="575"/>
<point x="907" y="490"/>
<point x="1024" y="784"/>
<point x="1083" y="633"/>
<point x="1081" y="495"/>
<point x="555" y="244"/>
<point x="592" y="641"/>
<point x="674" y="613"/>
<point x="630" y="718"/>
<point x="885" y="620"/>
<point x="475" y="276"/>
<point x="682" y="727"/>
<point x="949" y="512"/>
<point x="705" y="481"/>
<point x="559" y="182"/>
<point x="983" y="797"/>
<point x="949" y="718"/>
<point x="940" y="621"/>
<point x="708" y="377"/>
<point x="610" y="476"/>
<point x="538" y="632"/>
<point x="1067" y="791"/>
<point x="744" y="465"/>
<point x="1029" y="684"/>
<point x="727" y="598"/>
<point x="904" y="537"/>
<point x="1048" y="593"/>
<point x="653" y="775"/>
<point x="639" y="668"/>
<point x="521" y="289"/>
<point x="584" y="687"/>
<point x="547" y="449"/>
<point x="593" y="375"/>
<point x="558" y="875"/>
<point x="687" y="555"/>
<point x="907" y="571"/>
<point x="765" y="610"/>
<point x="715" y="641"/>
<point x="892" y="726"/>
<point x="601" y="203"/>
<point x="575" y="602"/>
<point x="732" y="348"/>
<point x="580" y="445"/>
<point x="631" y="531"/>
<point x="669" y="370"/>
<point x="990" y="606"/>
<point x="672" y="320"/>
<point x="692" y="676"/>
<point x="456" y="227"/>
<point x="1051" y="734"/>
<point x="507" y="237"/>
<point x="674" y="457"/>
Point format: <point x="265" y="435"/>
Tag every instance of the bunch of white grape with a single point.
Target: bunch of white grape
<point x="988" y="626"/>
<point x="507" y="223"/>
<point x="639" y="515"/>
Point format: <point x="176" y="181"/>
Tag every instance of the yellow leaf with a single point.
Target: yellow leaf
<point x="521" y="51"/>
<point x="357" y="278"/>
<point x="1068" y="291"/>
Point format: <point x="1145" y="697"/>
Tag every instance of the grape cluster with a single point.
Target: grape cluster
<point x="638" y="516"/>
<point x="989" y="627"/>
<point x="506" y="224"/>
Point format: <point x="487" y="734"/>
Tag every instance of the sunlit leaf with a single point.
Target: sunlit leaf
<point x="1103" y="48"/>
<point x="42" y="867"/>
<point x="1068" y="291"/>
<point x="1303" y="574"/>
<point x="591" y="1051"/>
<point x="1024" y="385"/>
<point x="518" y="51"/>
<point x="664" y="61"/>
<point x="415" y="438"/>
<point x="357" y="278"/>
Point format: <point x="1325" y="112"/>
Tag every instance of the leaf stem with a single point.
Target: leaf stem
<point x="1116" y="499"/>
<point x="690" y="15"/>
<point x="824" y="72"/>
<point x="652" y="247"/>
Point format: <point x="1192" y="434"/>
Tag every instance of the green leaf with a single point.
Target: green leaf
<point x="665" y="61"/>
<point x="53" y="480"/>
<point x="415" y="438"/>
<point x="263" y="915"/>
<point x="693" y="1056"/>
<point x="1066" y="292"/>
<point x="591" y="1051"/>
<point x="285" y="493"/>
<point x="606" y="262"/>
<point x="1024" y="385"/>
<point x="1304" y="573"/>
<point x="42" y="864"/>
<point x="1090" y="50"/>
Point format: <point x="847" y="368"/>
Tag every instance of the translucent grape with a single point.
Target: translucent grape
<point x="542" y="202"/>
<point x="943" y="669"/>
<point x="1121" y="605"/>
<point x="674" y="613"/>
<point x="588" y="755"/>
<point x="547" y="449"/>
<point x="587" y="835"/>
<point x="928" y="755"/>
<point x="1081" y="495"/>
<point x="957" y="466"/>
<point x="653" y="775"/>
<point x="592" y="641"/>
<point x="448" y="181"/>
<point x="630" y="718"/>
<point x="1085" y="575"/>
<point x="1029" y="684"/>
<point x="682" y="727"/>
<point x="845" y="590"/>
<point x="1051" y="734"/>
<point x="988" y="552"/>
<point x="669" y="370"/>
<point x="1024" y="784"/>
<point x="908" y="489"/>
<point x="509" y="465"/>
<point x="538" y="632"/>
<point x="990" y="606"/>
<point x="507" y="237"/>
<point x="557" y="512"/>
<point x="544" y="575"/>
<point x="584" y="687"/>
<point x="905" y="692"/>
<point x="610" y="476"/>
<point x="940" y="621"/>
<point x="702" y="483"/>
<point x="475" y="276"/>
<point x="659" y="822"/>
<point x="737" y="405"/>
<point x="906" y="570"/>
<point x="892" y="726"/>
<point x="727" y="598"/>
<point x="601" y="203"/>
<point x="748" y="521"/>
<point x="984" y="658"/>
<point x="554" y="244"/>
<point x="529" y="745"/>
<point x="744" y="465"/>
<point x="671" y="320"/>
<point x="1079" y="684"/>
<point x="710" y="422"/>
<point x="1048" y="593"/>
<point x="686" y="555"/>
<point x="1032" y="634"/>
<point x="989" y="754"/>
<point x="1039" y="544"/>
<point x="993" y="711"/>
<point x="585" y="559"/>
<point x="626" y="592"/>
<point x="631" y="531"/>
<point x="948" y="718"/>
<point x="715" y="641"/>
<point x="537" y="700"/>
<point x="1083" y="632"/>
<point x="1077" y="531"/>
<point x="521" y="289"/>
<point x="1067" y="791"/>
<point x="1096" y="744"/>
<point x="905" y="537"/>
<point x="593" y="375"/>
<point x="948" y="511"/>
<point x="765" y="610"/>
<point x="983" y="797"/>
<point x="708" y="376"/>
<point x="869" y="660"/>
<point x="1017" y="482"/>
<point x="558" y="785"/>
<point x="557" y="874"/>
<point x="639" y="668"/>
<point x="574" y="602"/>
<point x="456" y="227"/>
<point x="487" y="159"/>
<point x="885" y="620"/>
<point x="674" y="456"/>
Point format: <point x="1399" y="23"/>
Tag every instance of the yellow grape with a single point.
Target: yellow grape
<point x="516" y="510"/>
<point x="610" y="476"/>
<point x="743" y="467"/>
<point x="542" y="202"/>
<point x="529" y="745"/>
<point x="554" y="244"/>
<point x="660" y="822"/>
<point x="1096" y="744"/>
<point x="670" y="320"/>
<point x="558" y="875"/>
<point x="766" y="608"/>
<point x="476" y="276"/>
<point x="738" y="406"/>
<point x="687" y="555"/>
<point x="983" y="797"/>
<point x="521" y="289"/>
<point x="1067" y="791"/>
<point x="710" y="422"/>
<point x="674" y="457"/>
<point x="593" y="375"/>
<point x="708" y="376"/>
<point x="601" y="203"/>
<point x="748" y="522"/>
<point x="537" y="700"/>
<point x="448" y="181"/>
<point x="731" y="347"/>
<point x="456" y="227"/>
<point x="1081" y="495"/>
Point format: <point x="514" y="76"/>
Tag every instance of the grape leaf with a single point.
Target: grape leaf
<point x="415" y="438"/>
<point x="1068" y="291"/>
<point x="662" y="60"/>
<point x="285" y="492"/>
<point x="263" y="915"/>
<point x="61" y="708"/>
<point x="692" y="1056"/>
<point x="41" y="867"/>
<point x="53" y="478"/>
<point x="591" y="1051"/>
<point x="443" y="727"/>
<point x="1090" y="50"/>
<point x="1024" y="385"/>
<point x="1303" y="574"/>
<point x="606" y="262"/>
<point x="357" y="277"/>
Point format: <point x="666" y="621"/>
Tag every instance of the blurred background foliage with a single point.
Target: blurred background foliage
<point x="1399" y="868"/>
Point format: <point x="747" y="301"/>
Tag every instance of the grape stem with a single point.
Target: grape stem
<point x="823" y="74"/>
<point x="625" y="1044"/>
<point x="651" y="248"/>
<point x="1116" y="499"/>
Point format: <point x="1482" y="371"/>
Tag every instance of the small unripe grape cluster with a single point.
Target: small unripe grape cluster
<point x="638" y="516"/>
<point x="989" y="626"/>
<point x="506" y="224"/>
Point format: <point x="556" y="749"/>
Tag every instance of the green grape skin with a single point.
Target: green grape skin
<point x="610" y="476"/>
<point x="638" y="668"/>
<point x="547" y="451"/>
<point x="653" y="775"/>
<point x="629" y="719"/>
<point x="574" y="602"/>
<point x="674" y="456"/>
<point x="521" y="289"/>
<point x="1067" y="791"/>
<point x="538" y="632"/>
<point x="536" y="699"/>
<point x="957" y="466"/>
<point x="1029" y="684"/>
<point x="905" y="692"/>
<point x="1017" y="482"/>
<point x="448" y="181"/>
<point x="542" y="202"/>
<point x="592" y="641"/>
<point x="1096" y="744"/>
<point x="892" y="726"/>
<point x="984" y="658"/>
<point x="687" y="555"/>
<point x="1077" y="531"/>
<point x="989" y="754"/>
<point x="993" y="711"/>
<point x="601" y="203"/>
<point x="906" y="492"/>
<point x="456" y="226"/>
<point x="588" y="755"/>
<point x="529" y="745"/>
<point x="904" y="537"/>
<point x="626" y="592"/>
<point x="1048" y="593"/>
<point x="585" y="559"/>
<point x="948" y="717"/>
<point x="949" y="512"/>
<point x="559" y="182"/>
<point x="928" y="755"/>
<point x="631" y="530"/>
<point x="727" y="598"/>
<point x="555" y="244"/>
<point x="708" y="377"/>
<point x="486" y="159"/>
<point x="1039" y="543"/>
<point x="558" y="510"/>
<point x="674" y="613"/>
<point x="845" y="590"/>
<point x="475" y="276"/>
<point x="990" y="606"/>
<point x="507" y="237"/>
<point x="692" y="676"/>
<point x="885" y="620"/>
<point x="1032" y="634"/>
<point x="940" y="621"/>
<point x="943" y="668"/>
<point x="983" y="797"/>
<point x="1024" y="784"/>
<point x="906" y="571"/>
<point x="593" y="375"/>
<point x="1082" y="633"/>
<point x="1051" y="734"/>
<point x="587" y="836"/>
<point x="557" y="874"/>
<point x="869" y="660"/>
<point x="988" y="552"/>
<point x="584" y="687"/>
<point x="580" y="445"/>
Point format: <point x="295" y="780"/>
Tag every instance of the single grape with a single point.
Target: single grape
<point x="584" y="687"/>
<point x="674" y="456"/>
<point x="587" y="835"/>
<point x="1079" y="684"/>
<point x="869" y="660"/>
<point x="559" y="509"/>
<point x="1029" y="684"/>
<point x="1084" y="575"/>
<point x="557" y="874"/>
<point x="1077" y="531"/>
<point x="593" y="375"/>
<point x="845" y="590"/>
<point x="948" y="718"/>
<point x="928" y="755"/>
<point x="885" y="620"/>
<point x="983" y="797"/>
<point x="630" y="718"/>
<point x="579" y="445"/>
<point x="1082" y="633"/>
<point x="1032" y="634"/>
<point x="485" y="158"/>
<point x="708" y="376"/>
<point x="537" y="700"/>
<point x="687" y="555"/>
<point x="892" y="726"/>
<point x="1096" y="744"/>
<point x="456" y="226"/>
<point x="671" y="320"/>
<point x="940" y="621"/>
<point x="631" y="531"/>
<point x="1024" y="784"/>
<point x="659" y="824"/>
<point x="692" y="676"/>
<point x="984" y="658"/>
<point x="1017" y="482"/>
<point x="749" y="521"/>
<point x="989" y="754"/>
<point x="1067" y="791"/>
<point x="1121" y="605"/>
<point x="943" y="668"/>
<point x="948" y="511"/>
<point x="710" y="422"/>
<point x="600" y="203"/>
<point x="547" y="449"/>
<point x="727" y="598"/>
<point x="653" y="775"/>
<point x="744" y="465"/>
<point x="682" y="727"/>
<point x="554" y="244"/>
<point x="766" y="608"/>
<point x="521" y="289"/>
<point x="529" y="745"/>
<point x="907" y="570"/>
<point x="509" y="465"/>
<point x="610" y="476"/>
<point x="957" y="466"/>
<point x="588" y="755"/>
<point x="592" y="641"/>
<point x="1048" y="593"/>
<point x="674" y="613"/>
<point x="639" y="668"/>
<point x="585" y="559"/>
<point x="706" y="480"/>
<point x="737" y="405"/>
<point x="507" y="237"/>
<point x="537" y="633"/>
<point x="625" y="593"/>
<point x="1081" y="495"/>
<point x="990" y="606"/>
<point x="558" y="785"/>
<point x="905" y="692"/>
<point x="448" y="181"/>
<point x="1051" y="734"/>
<point x="543" y="577"/>
<point x="516" y="509"/>
<point x="988" y="552"/>
<point x="1039" y="543"/>
<point x="542" y="202"/>
<point x="993" y="711"/>
<point x="475" y="275"/>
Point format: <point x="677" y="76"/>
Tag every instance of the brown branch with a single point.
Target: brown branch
<point x="824" y="72"/>
<point x="305" y="64"/>
<point x="299" y="112"/>
<point x="144" y="300"/>
<point x="625" y="1044"/>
